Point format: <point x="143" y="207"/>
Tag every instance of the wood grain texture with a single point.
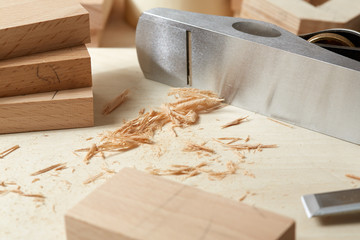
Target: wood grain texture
<point x="136" y="205"/>
<point x="302" y="16"/>
<point x="134" y="8"/>
<point x="44" y="72"/>
<point x="32" y="26"/>
<point x="99" y="11"/>
<point x="46" y="111"/>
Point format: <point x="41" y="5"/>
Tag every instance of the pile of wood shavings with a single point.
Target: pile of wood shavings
<point x="189" y="171"/>
<point x="181" y="113"/>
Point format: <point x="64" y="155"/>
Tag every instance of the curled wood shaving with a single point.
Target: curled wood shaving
<point x="235" y="122"/>
<point x="47" y="169"/>
<point x="111" y="106"/>
<point x="192" y="147"/>
<point x="353" y="176"/>
<point x="181" y="113"/>
<point x="93" y="178"/>
<point x="8" y="151"/>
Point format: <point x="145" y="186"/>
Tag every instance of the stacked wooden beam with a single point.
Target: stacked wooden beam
<point x="45" y="68"/>
<point x="99" y="11"/>
<point x="301" y="16"/>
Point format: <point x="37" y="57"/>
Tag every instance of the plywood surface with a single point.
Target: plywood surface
<point x="44" y="72"/>
<point x="29" y="26"/>
<point x="304" y="162"/>
<point x="136" y="205"/>
<point x="46" y="111"/>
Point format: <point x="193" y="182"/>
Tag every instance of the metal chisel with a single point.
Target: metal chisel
<point x="329" y="203"/>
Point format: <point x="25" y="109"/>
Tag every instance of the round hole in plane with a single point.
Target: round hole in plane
<point x="257" y="29"/>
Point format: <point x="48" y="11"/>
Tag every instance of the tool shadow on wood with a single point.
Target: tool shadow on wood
<point x="339" y="219"/>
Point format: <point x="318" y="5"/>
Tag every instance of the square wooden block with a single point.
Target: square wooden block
<point x="32" y="26"/>
<point x="44" y="72"/>
<point x="137" y="205"/>
<point x="47" y="111"/>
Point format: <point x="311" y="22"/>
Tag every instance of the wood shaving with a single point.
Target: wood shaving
<point x="257" y="147"/>
<point x="93" y="178"/>
<point x="8" y="151"/>
<point x="178" y="170"/>
<point x="47" y="169"/>
<point x="90" y="138"/>
<point x="235" y="122"/>
<point x="243" y="197"/>
<point x="353" y="176"/>
<point x="284" y="124"/>
<point x="247" y="139"/>
<point x="184" y="111"/>
<point x="111" y="106"/>
<point x="35" y="180"/>
<point x="192" y="147"/>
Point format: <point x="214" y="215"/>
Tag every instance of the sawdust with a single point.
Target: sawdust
<point x="8" y="151"/>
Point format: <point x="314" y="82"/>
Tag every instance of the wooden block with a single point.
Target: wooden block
<point x="134" y="8"/>
<point x="44" y="72"/>
<point x="136" y="205"/>
<point x="46" y="111"/>
<point x="33" y="26"/>
<point x="99" y="11"/>
<point x="302" y="16"/>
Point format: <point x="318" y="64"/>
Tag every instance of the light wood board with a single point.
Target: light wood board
<point x="304" y="162"/>
<point x="44" y="72"/>
<point x="99" y="11"/>
<point x="302" y="16"/>
<point x="136" y="205"/>
<point x="134" y="8"/>
<point x="32" y="26"/>
<point x="46" y="111"/>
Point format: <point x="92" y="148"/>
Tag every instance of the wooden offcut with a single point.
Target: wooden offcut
<point x="46" y="111"/>
<point x="99" y="11"/>
<point x="301" y="16"/>
<point x="32" y="26"/>
<point x="135" y="205"/>
<point x="44" y="72"/>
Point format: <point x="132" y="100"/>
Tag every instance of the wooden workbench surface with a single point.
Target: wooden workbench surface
<point x="305" y="161"/>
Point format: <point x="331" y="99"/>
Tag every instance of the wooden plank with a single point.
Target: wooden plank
<point x="32" y="26"/>
<point x="99" y="11"/>
<point x="44" y="72"/>
<point x="45" y="111"/>
<point x="302" y="16"/>
<point x="134" y="8"/>
<point x="136" y="205"/>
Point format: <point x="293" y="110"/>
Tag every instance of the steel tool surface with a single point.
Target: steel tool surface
<point x="253" y="65"/>
<point x="322" y="204"/>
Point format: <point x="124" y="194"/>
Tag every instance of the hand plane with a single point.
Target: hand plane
<point x="254" y="65"/>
